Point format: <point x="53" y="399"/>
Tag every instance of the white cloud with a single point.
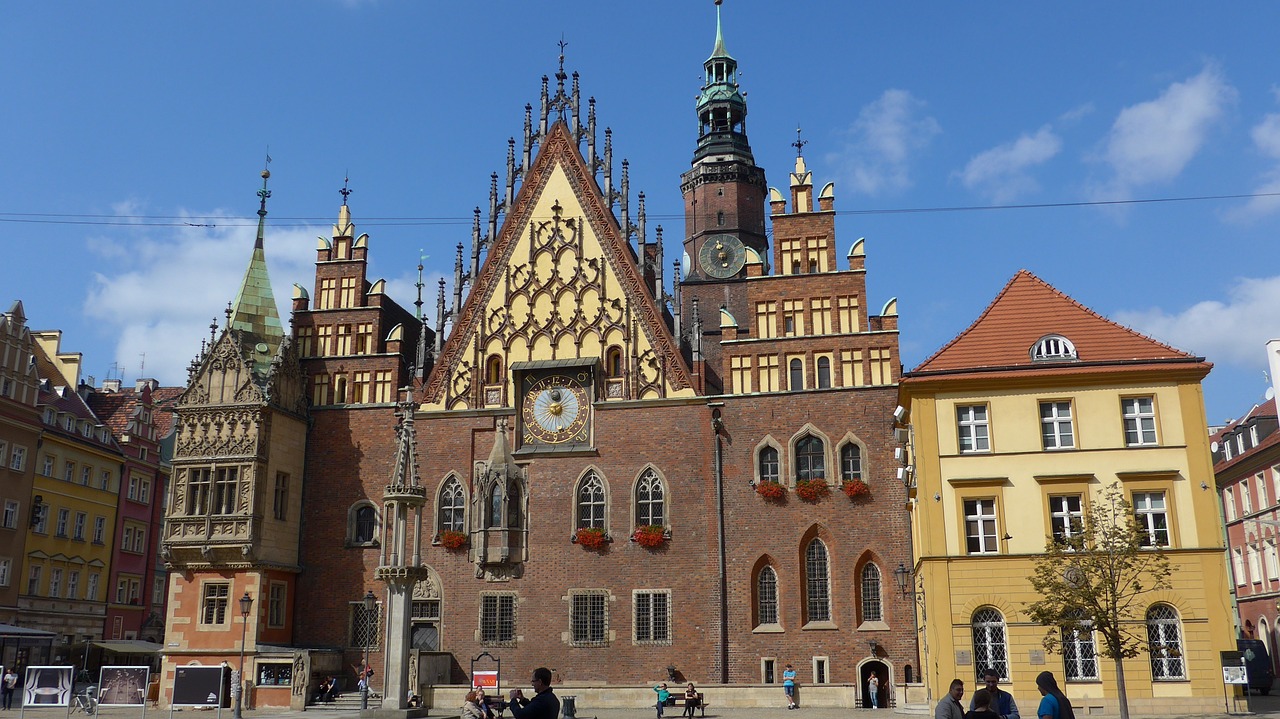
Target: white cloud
<point x="884" y="140"/>
<point x="159" y="297"/>
<point x="1231" y="331"/>
<point x="1266" y="139"/>
<point x="1152" y="141"/>
<point x="1001" y="173"/>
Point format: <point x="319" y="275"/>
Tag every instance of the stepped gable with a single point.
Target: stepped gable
<point x="1028" y="309"/>
<point x="559" y="151"/>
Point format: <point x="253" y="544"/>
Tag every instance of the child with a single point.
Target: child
<point x="663" y="696"/>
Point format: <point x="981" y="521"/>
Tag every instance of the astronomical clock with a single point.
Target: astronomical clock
<point x="555" y="408"/>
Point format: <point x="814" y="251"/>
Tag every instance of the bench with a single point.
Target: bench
<point x="678" y="700"/>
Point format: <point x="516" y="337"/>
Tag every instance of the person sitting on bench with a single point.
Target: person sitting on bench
<point x="326" y="691"/>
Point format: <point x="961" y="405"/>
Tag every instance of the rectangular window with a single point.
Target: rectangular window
<point x="127" y="543"/>
<point x="589" y="619"/>
<point x="18" y="458"/>
<point x="324" y="340"/>
<point x="4" y="453"/>
<point x="769" y="373"/>
<point x="1151" y="514"/>
<point x="1246" y="498"/>
<point x="104" y="482"/>
<point x="55" y="582"/>
<point x="881" y="367"/>
<point x="328" y="293"/>
<point x="974" y="431"/>
<point x="42" y="520"/>
<point x="144" y="490"/>
<point x="1263" y="502"/>
<point x="280" y="498"/>
<point x="1139" y="421"/>
<point x="498" y="619"/>
<point x="132" y="492"/>
<point x="10" y="514"/>
<point x="86" y="476"/>
<point x="213" y="610"/>
<point x="766" y="319"/>
<point x="1055" y="425"/>
<point x="122" y="590"/>
<point x="1273" y="560"/>
<point x="342" y="341"/>
<point x="77" y="531"/>
<point x="64" y="520"/>
<point x="73" y="584"/>
<point x="740" y="374"/>
<point x="653" y="617"/>
<point x="275" y="604"/>
<point x="6" y="568"/>
<point x="793" y="318"/>
<point x="851" y="374"/>
<point x="347" y="297"/>
<point x="33" y="581"/>
<point x="1066" y="517"/>
<point x="790" y="251"/>
<point x="1255" y="565"/>
<point x="821" y="309"/>
<point x="199" y="487"/>
<point x="1080" y="662"/>
<point x="980" y="526"/>
<point x="365" y="631"/>
<point x="158" y="591"/>
<point x="306" y="341"/>
<point x="364" y="338"/>
<point x="69" y="472"/>
<point x="847" y="313"/>
<point x="320" y="389"/>
<point x="139" y="540"/>
<point x="360" y="389"/>
<point x="91" y="591"/>
<point x="99" y="529"/>
<point x="1229" y="503"/>
<point x="224" y="490"/>
<point x="48" y="466"/>
<point x="382" y="387"/>
<point x="275" y="674"/>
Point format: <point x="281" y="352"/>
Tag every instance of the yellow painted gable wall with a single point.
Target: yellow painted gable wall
<point x="1021" y="476"/>
<point x="547" y="282"/>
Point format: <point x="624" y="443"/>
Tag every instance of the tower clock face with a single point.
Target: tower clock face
<point x="722" y="256"/>
<point x="555" y="409"/>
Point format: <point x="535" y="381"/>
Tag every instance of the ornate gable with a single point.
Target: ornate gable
<point x="560" y="283"/>
<point x="225" y="376"/>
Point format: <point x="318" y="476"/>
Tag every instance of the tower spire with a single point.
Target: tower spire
<point x="718" y="50"/>
<point x="263" y="194"/>
<point x="253" y="311"/>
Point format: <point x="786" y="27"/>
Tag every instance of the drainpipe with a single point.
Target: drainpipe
<point x="717" y="427"/>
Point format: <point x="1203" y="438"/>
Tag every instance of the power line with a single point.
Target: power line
<point x="55" y="218"/>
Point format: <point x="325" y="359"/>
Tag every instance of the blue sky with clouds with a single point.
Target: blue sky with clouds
<point x="134" y="134"/>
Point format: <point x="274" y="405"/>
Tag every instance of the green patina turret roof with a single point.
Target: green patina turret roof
<point x="718" y="50"/>
<point x="254" y="312"/>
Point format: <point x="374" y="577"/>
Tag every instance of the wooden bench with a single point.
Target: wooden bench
<point x="678" y="700"/>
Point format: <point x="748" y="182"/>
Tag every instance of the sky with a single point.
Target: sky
<point x="966" y="141"/>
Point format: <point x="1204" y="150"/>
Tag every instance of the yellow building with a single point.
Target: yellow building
<point x="74" y="498"/>
<point x="1014" y="426"/>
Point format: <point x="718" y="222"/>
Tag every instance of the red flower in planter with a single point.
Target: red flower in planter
<point x="452" y="540"/>
<point x="811" y="490"/>
<point x="855" y="488"/>
<point x="771" y="490"/>
<point x="591" y="537"/>
<point x="650" y="535"/>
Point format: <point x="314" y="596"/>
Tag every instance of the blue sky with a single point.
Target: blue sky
<point x="124" y="122"/>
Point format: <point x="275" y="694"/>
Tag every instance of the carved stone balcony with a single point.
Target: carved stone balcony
<point x="388" y="573"/>
<point x="209" y="539"/>
<point x="407" y="494"/>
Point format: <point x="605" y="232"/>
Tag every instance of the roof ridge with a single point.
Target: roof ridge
<point x="972" y="324"/>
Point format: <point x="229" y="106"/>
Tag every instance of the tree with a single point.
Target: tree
<point x="1093" y="578"/>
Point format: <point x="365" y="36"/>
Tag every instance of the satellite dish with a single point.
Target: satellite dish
<point x="1270" y="393"/>
<point x="1213" y="446"/>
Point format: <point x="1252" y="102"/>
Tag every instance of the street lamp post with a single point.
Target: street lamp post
<point x="246" y="603"/>
<point x="370" y="606"/>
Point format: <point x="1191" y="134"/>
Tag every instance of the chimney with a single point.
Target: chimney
<point x="110" y="385"/>
<point x="141" y="384"/>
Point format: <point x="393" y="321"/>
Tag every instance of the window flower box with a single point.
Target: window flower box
<point x="650" y="536"/>
<point x="452" y="540"/>
<point x="591" y="538"/>
<point x="855" y="488"/>
<point x="771" y="491"/>
<point x="811" y="490"/>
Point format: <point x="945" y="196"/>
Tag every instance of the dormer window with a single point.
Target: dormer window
<point x="1053" y="348"/>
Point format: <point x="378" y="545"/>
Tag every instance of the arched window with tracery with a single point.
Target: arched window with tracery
<point x="871" y="607"/>
<point x="591" y="502"/>
<point x="989" y="648"/>
<point x="817" y="582"/>
<point x="810" y="458"/>
<point x="767" y="596"/>
<point x="1164" y="640"/>
<point x="851" y="462"/>
<point x="650" y="500"/>
<point x="453" y="506"/>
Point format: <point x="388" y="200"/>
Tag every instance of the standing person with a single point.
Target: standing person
<point x="544" y="704"/>
<point x="1002" y="702"/>
<point x="663" y="695"/>
<point x="950" y="706"/>
<point x="1053" y="703"/>
<point x="8" y="685"/>
<point x="873" y="690"/>
<point x="691" y="700"/>
<point x="982" y="706"/>
<point x="789" y="686"/>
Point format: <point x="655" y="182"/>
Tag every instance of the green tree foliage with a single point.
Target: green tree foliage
<point x="1095" y="580"/>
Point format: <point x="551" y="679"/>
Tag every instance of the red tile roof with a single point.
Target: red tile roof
<point x="1028" y="309"/>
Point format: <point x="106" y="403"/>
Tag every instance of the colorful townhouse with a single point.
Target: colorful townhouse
<point x="1015" y="425"/>
<point x="19" y="439"/>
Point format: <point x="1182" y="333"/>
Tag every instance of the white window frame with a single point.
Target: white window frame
<point x="1237" y="565"/>
<point x="1066" y="520"/>
<point x="1057" y="430"/>
<point x="10" y="517"/>
<point x="980" y="515"/>
<point x="1146" y="513"/>
<point x="973" y="422"/>
<point x="1139" y="415"/>
<point x="18" y="458"/>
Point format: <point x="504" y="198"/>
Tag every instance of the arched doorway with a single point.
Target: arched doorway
<point x="886" y="683"/>
<point x="1264" y="633"/>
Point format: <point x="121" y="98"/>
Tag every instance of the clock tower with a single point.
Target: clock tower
<point x="724" y="205"/>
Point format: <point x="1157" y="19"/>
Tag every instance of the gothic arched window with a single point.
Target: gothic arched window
<point x="871" y="611"/>
<point x="591" y="502"/>
<point x="650" y="500"/>
<point x="769" y="465"/>
<point x="362" y="524"/>
<point x="453" y="505"/>
<point x="767" y="596"/>
<point x="850" y="462"/>
<point x="810" y="458"/>
<point x="817" y="582"/>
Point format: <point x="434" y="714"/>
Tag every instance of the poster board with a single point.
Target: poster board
<point x="47" y="687"/>
<point x="1234" y="675"/>
<point x="123" y="686"/>
<point x="197" y="686"/>
<point x="487" y="679"/>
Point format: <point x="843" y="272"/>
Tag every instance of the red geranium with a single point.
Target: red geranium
<point x="855" y="488"/>
<point x="811" y="490"/>
<point x="591" y="537"/>
<point x="452" y="540"/>
<point x="650" y="535"/>
<point x="771" y="490"/>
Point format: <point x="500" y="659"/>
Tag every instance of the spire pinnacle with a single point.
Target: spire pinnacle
<point x="263" y="194"/>
<point x="253" y="311"/>
<point x="345" y="191"/>
<point x="718" y="50"/>
<point x="799" y="143"/>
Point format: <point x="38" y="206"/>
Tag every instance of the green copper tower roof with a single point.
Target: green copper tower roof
<point x="718" y="50"/>
<point x="254" y="312"/>
<point x="721" y="106"/>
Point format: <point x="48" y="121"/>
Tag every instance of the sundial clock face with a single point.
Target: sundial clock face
<point x="556" y="409"/>
<point x="722" y="256"/>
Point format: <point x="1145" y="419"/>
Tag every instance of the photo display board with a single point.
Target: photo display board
<point x="47" y="687"/>
<point x="197" y="686"/>
<point x="123" y="686"/>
